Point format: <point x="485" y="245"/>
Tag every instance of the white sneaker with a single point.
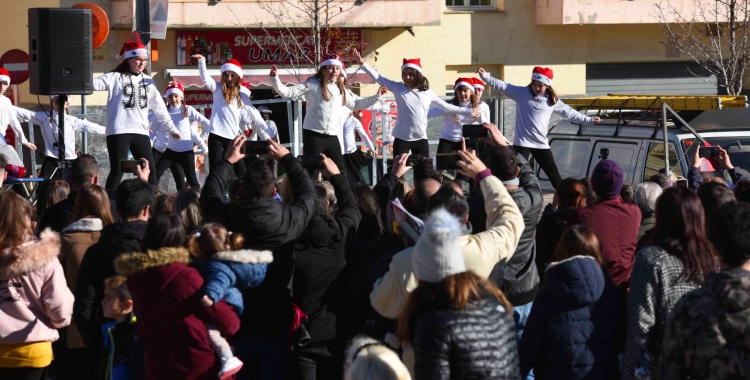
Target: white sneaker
<point x="229" y="368"/>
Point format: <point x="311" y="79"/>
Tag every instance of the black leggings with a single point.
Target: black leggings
<point x="118" y="146"/>
<point x="545" y="160"/>
<point x="447" y="146"/>
<point x="185" y="160"/>
<point x="417" y="147"/>
<point x="23" y="373"/>
<point x="177" y="173"/>
<point x="48" y="166"/>
<point x="316" y="143"/>
<point x="217" y="148"/>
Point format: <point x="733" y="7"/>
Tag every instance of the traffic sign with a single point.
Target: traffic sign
<point x="17" y="63"/>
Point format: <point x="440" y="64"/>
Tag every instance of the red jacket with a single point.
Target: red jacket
<point x="615" y="224"/>
<point x="171" y="320"/>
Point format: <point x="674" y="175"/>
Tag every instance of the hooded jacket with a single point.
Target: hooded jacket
<point x="171" y="320"/>
<point x="267" y="225"/>
<point x="77" y="238"/>
<point x="319" y="259"/>
<point x="35" y="299"/>
<point x="228" y="272"/>
<point x="709" y="335"/>
<point x="577" y="324"/>
<point x="98" y="265"/>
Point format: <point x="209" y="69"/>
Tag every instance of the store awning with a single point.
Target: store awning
<point x="256" y="77"/>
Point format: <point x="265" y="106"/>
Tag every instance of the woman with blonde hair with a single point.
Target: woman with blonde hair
<point x="367" y="358"/>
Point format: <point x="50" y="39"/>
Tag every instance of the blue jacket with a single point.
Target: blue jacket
<point x="576" y="327"/>
<point x="227" y="273"/>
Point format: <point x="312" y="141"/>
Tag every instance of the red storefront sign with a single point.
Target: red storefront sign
<point x="198" y="97"/>
<point x="259" y="47"/>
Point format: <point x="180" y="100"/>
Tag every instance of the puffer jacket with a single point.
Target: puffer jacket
<point x="228" y="272"/>
<point x="323" y="116"/>
<point x="477" y="342"/>
<point x="577" y="324"/>
<point x="518" y="277"/>
<point x="267" y="225"/>
<point x="709" y="335"/>
<point x="77" y="238"/>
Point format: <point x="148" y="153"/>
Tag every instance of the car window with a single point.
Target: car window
<point x="655" y="160"/>
<point x="625" y="154"/>
<point x="570" y="157"/>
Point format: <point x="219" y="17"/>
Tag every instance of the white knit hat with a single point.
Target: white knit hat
<point x="438" y="252"/>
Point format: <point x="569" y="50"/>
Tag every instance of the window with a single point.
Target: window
<point x="470" y="4"/>
<point x="625" y="154"/>
<point x="570" y="157"/>
<point x="655" y="160"/>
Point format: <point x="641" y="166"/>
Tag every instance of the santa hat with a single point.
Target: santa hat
<point x="232" y="65"/>
<point x="175" y="88"/>
<point x="478" y="83"/>
<point x="468" y="82"/>
<point x="133" y="48"/>
<point x="245" y="88"/>
<point x="4" y="75"/>
<point x="542" y="74"/>
<point x="438" y="253"/>
<point x="412" y="63"/>
<point x="332" y="59"/>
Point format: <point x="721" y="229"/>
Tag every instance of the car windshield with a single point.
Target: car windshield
<point x="737" y="147"/>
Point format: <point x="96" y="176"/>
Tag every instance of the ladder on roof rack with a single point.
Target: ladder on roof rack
<point x="654" y="102"/>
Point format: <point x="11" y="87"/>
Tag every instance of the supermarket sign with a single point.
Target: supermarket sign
<point x="198" y="97"/>
<point x="259" y="47"/>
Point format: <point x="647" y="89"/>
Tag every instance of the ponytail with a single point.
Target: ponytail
<point x="213" y="238"/>
<point x="235" y="241"/>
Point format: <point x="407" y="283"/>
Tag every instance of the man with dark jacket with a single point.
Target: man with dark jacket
<point x="518" y="277"/>
<point x="263" y="339"/>
<point x="319" y="260"/>
<point x="134" y="200"/>
<point x="614" y="222"/>
<point x="84" y="170"/>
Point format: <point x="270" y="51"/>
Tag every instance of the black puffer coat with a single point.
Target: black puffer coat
<point x="477" y="342"/>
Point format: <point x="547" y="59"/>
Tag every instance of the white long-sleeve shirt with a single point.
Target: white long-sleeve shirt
<point x="323" y="116"/>
<point x="453" y="124"/>
<point x="129" y="99"/>
<point x="350" y="144"/>
<point x="225" y="118"/>
<point x="50" y="131"/>
<point x="485" y="109"/>
<point x="533" y="113"/>
<point x="413" y="105"/>
<point x="8" y="117"/>
<point x="188" y="133"/>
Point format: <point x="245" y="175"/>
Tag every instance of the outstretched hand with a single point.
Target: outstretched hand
<point x="273" y="72"/>
<point x="30" y="146"/>
<point x="470" y="165"/>
<point x="234" y="153"/>
<point x="199" y="57"/>
<point x="328" y="167"/>
<point x="276" y="151"/>
<point x="481" y="71"/>
<point x="143" y="171"/>
<point x="382" y="90"/>
<point x="400" y="166"/>
<point x="358" y="57"/>
<point x="496" y="138"/>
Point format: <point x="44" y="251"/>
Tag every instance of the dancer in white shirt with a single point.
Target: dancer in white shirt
<point x="355" y="159"/>
<point x="8" y="117"/>
<point x="451" y="135"/>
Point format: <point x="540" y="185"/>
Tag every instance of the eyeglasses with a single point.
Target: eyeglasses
<point x="141" y="60"/>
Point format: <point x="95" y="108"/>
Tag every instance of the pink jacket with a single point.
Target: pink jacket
<point x="34" y="297"/>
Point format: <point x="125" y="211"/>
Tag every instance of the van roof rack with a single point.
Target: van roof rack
<point x="654" y="102"/>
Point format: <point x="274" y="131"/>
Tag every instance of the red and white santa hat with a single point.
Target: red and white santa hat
<point x="542" y="74"/>
<point x="133" y="48"/>
<point x="478" y="83"/>
<point x="4" y="75"/>
<point x="332" y="59"/>
<point x="232" y="65"/>
<point x="175" y="88"/>
<point x="412" y="63"/>
<point x="468" y="82"/>
<point x="245" y="88"/>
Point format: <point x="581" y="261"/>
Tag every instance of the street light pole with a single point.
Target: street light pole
<point x="143" y="26"/>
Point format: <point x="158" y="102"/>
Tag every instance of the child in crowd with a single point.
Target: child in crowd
<point x="227" y="269"/>
<point x="123" y="354"/>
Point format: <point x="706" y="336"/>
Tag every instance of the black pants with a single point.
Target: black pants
<point x="186" y="160"/>
<point x="447" y="146"/>
<point x="545" y="160"/>
<point x="317" y="361"/>
<point x="118" y="146"/>
<point x="217" y="149"/>
<point x="48" y="166"/>
<point x="418" y="147"/>
<point x="23" y="373"/>
<point x="316" y="143"/>
<point x="177" y="173"/>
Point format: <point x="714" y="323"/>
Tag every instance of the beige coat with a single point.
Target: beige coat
<point x="76" y="239"/>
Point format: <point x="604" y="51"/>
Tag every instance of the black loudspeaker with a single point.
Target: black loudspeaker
<point x="60" y="51"/>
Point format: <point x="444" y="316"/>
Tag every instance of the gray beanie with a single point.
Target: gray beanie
<point x="438" y="252"/>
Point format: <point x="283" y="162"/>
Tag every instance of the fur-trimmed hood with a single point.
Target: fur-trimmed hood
<point x="30" y="256"/>
<point x="85" y="225"/>
<point x="133" y="263"/>
<point x="245" y="256"/>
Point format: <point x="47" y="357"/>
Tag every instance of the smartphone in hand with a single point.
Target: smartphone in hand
<point x="475" y="130"/>
<point x="446" y="161"/>
<point x="311" y="162"/>
<point x="255" y="147"/>
<point x="128" y="166"/>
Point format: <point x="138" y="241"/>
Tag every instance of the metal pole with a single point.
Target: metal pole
<point x="32" y="153"/>
<point x="664" y="107"/>
<point x="384" y="128"/>
<point x="143" y="27"/>
<point x="500" y="114"/>
<point x="298" y="144"/>
<point x="61" y="164"/>
<point x="85" y="136"/>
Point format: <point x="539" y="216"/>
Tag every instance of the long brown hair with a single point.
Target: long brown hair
<point x="124" y="68"/>
<point x="578" y="240"/>
<point x="213" y="238"/>
<point x="13" y="230"/>
<point x="422" y="83"/>
<point x="456" y="291"/>
<point x="340" y="83"/>
<point x="552" y="97"/>
<point x="473" y="102"/>
<point x="50" y="193"/>
<point x="92" y="200"/>
<point x="571" y="194"/>
<point x="232" y="93"/>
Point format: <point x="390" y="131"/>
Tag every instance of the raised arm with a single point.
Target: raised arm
<point x="505" y="88"/>
<point x="362" y="103"/>
<point x="435" y="112"/>
<point x="284" y="91"/>
<point x="102" y="82"/>
<point x="28" y="115"/>
<point x="569" y="113"/>
<point x="348" y="216"/>
<point x="87" y="126"/>
<point x="450" y="108"/>
<point x="392" y="86"/>
<point x="209" y="82"/>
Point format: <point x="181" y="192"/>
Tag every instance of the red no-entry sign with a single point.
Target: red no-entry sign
<point x="17" y="63"/>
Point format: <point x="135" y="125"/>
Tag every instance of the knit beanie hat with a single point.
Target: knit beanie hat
<point x="438" y="252"/>
<point x="607" y="179"/>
